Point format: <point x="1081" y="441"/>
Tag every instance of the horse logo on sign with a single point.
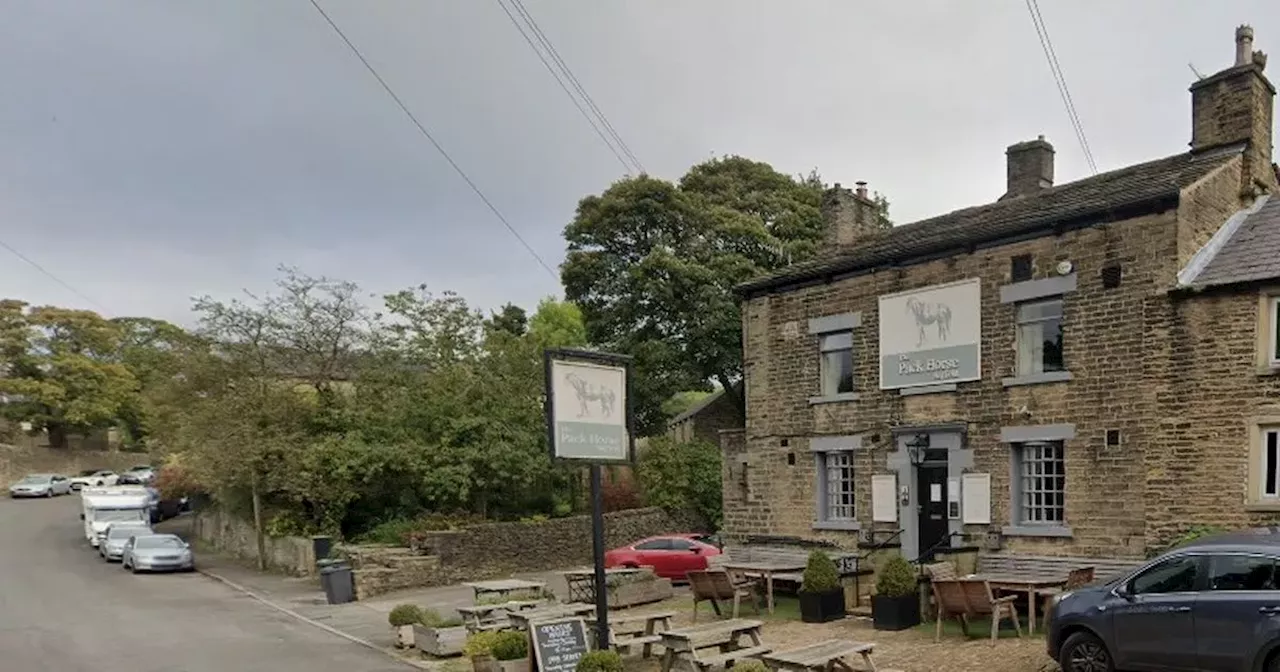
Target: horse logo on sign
<point x="930" y="314"/>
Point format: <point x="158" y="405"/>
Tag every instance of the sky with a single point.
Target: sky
<point x="152" y="151"/>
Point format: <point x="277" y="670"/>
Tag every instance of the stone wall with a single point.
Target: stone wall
<point x="502" y="549"/>
<point x="227" y="534"/>
<point x="18" y="460"/>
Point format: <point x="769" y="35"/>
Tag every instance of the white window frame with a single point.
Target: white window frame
<point x="823" y="351"/>
<point x="1019" y="323"/>
<point x="841" y="516"/>
<point x="1023" y="503"/>
<point x="1273" y="336"/>
<point x="1268" y="435"/>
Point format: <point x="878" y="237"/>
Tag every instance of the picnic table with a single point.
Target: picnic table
<point x="582" y="582"/>
<point x="504" y="587"/>
<point x="521" y="619"/>
<point x="823" y="656"/>
<point x="1028" y="583"/>
<point x="487" y="616"/>
<point x="766" y="571"/>
<point x="686" y="647"/>
<point x="626" y="632"/>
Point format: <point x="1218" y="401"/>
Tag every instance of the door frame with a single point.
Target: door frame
<point x="952" y="435"/>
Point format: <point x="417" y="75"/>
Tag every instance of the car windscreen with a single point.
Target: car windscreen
<point x="158" y="542"/>
<point x="113" y="516"/>
<point x="36" y="480"/>
<point x="124" y="532"/>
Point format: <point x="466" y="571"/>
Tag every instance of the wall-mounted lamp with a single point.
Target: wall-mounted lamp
<point x="917" y="449"/>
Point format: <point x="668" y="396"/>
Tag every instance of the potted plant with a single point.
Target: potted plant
<point x="511" y="650"/>
<point x="821" y="595"/>
<point x="439" y="636"/>
<point x="402" y="618"/>
<point x="479" y="648"/>
<point x="896" y="602"/>
<point x="601" y="661"/>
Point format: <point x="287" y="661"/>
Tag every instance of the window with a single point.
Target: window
<point x="1175" y="575"/>
<point x="654" y="545"/>
<point x="1042" y="481"/>
<point x="1242" y="572"/>
<point x="1040" y="337"/>
<point x="1270" y="462"/>
<point x="835" y="486"/>
<point x="681" y="545"/>
<point x="837" y="363"/>
<point x="1274" y="334"/>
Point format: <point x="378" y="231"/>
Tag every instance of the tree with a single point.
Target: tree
<point x="510" y="318"/>
<point x="557" y="324"/>
<point x="653" y="266"/>
<point x="59" y="366"/>
<point x="682" y="477"/>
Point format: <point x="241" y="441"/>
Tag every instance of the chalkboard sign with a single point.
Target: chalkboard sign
<point x="557" y="645"/>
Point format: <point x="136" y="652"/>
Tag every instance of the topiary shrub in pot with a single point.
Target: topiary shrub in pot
<point x="896" y="603"/>
<point x="479" y="648"/>
<point x="821" y="595"/>
<point x="511" y="650"/>
<point x="402" y="619"/>
<point x="601" y="661"/>
<point x="439" y="636"/>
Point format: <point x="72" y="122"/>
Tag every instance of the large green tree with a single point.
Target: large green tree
<point x="653" y="266"/>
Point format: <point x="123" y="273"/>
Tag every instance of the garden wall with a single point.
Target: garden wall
<point x="18" y="461"/>
<point x="226" y="533"/>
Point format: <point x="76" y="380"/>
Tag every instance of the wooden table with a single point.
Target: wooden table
<point x="582" y="582"/>
<point x="482" y="616"/>
<point x="823" y="656"/>
<point x="633" y="630"/>
<point x="522" y="619"/>
<point x="682" y="647"/>
<point x="1022" y="583"/>
<point x="766" y="570"/>
<point x="504" y="587"/>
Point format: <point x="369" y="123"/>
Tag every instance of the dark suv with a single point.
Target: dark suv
<point x="1212" y="604"/>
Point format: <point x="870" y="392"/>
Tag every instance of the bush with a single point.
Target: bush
<point x="682" y="477"/>
<point x="405" y="614"/>
<point x="602" y="661"/>
<point x="510" y="646"/>
<point x="750" y="665"/>
<point x="432" y="619"/>
<point x="480" y="644"/>
<point x="820" y="574"/>
<point x="620" y="495"/>
<point x="896" y="578"/>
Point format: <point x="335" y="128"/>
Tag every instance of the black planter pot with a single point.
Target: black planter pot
<point x="822" y="607"/>
<point x="895" y="613"/>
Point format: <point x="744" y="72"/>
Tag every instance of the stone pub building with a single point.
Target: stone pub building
<point x="1089" y="368"/>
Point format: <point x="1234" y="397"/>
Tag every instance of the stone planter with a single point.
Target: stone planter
<point x="441" y="642"/>
<point x="822" y="607"/>
<point x="403" y="635"/>
<point x="631" y="593"/>
<point x="522" y="665"/>
<point x="485" y="664"/>
<point x="895" y="613"/>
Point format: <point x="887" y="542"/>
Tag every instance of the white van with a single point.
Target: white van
<point x="119" y="504"/>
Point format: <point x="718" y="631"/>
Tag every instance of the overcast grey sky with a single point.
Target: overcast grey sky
<point x="152" y="150"/>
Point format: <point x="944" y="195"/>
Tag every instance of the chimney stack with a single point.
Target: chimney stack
<point x="1234" y="107"/>
<point x="1030" y="168"/>
<point x="849" y="216"/>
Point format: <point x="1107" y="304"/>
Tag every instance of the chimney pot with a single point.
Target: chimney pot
<point x="862" y="189"/>
<point x="1235" y="106"/>
<point x="1029" y="168"/>
<point x="1244" y="45"/>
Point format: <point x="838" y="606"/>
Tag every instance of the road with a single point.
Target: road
<point x="62" y="609"/>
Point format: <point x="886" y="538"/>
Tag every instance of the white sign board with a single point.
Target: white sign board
<point x="589" y="411"/>
<point x="884" y="498"/>
<point x="976" y="492"/>
<point x="931" y="336"/>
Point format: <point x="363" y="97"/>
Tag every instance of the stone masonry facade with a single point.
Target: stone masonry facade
<point x="1164" y="390"/>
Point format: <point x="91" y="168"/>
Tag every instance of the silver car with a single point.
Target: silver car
<point x="41" y="485"/>
<point x="111" y="548"/>
<point x="157" y="553"/>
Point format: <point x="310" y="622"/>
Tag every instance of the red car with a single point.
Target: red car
<point x="672" y="556"/>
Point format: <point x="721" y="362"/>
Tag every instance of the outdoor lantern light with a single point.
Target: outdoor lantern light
<point x="916" y="449"/>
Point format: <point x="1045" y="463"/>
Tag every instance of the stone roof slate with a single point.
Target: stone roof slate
<point x="1251" y="251"/>
<point x="1099" y="196"/>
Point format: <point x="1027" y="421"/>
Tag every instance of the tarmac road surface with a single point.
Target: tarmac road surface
<point x="62" y="609"/>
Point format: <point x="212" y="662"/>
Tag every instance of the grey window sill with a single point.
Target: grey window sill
<point x="1272" y="370"/>
<point x="1263" y="506"/>
<point x="1036" y="531"/>
<point x="928" y="389"/>
<point x="847" y="526"/>
<point x="1037" y="378"/>
<point x="834" y="399"/>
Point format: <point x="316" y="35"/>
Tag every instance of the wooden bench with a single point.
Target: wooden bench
<point x="823" y="656"/>
<point x="700" y="647"/>
<point x="634" y="630"/>
<point x="1105" y="569"/>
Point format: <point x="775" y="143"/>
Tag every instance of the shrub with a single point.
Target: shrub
<point x="432" y="619"/>
<point x="682" y="477"/>
<point x="510" y="646"/>
<point x="405" y="614"/>
<point x="620" y="495"/>
<point x="896" y="578"/>
<point x="820" y="574"/>
<point x="750" y="665"/>
<point x="480" y="644"/>
<point x="601" y="661"/>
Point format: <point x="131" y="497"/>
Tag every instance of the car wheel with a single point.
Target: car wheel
<point x="1083" y="652"/>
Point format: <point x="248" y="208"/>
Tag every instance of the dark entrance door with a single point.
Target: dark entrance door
<point x="931" y="499"/>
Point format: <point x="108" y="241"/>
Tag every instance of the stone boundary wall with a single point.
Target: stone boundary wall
<point x="225" y="533"/>
<point x="18" y="461"/>
<point x="502" y="549"/>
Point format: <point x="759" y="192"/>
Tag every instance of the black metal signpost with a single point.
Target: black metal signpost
<point x="589" y="419"/>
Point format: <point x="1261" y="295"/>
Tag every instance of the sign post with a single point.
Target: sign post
<point x="589" y="419"/>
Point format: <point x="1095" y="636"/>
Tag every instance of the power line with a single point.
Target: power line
<point x="49" y="274"/>
<point x="427" y="134"/>
<point x="1042" y="31"/>
<point x="573" y="79"/>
